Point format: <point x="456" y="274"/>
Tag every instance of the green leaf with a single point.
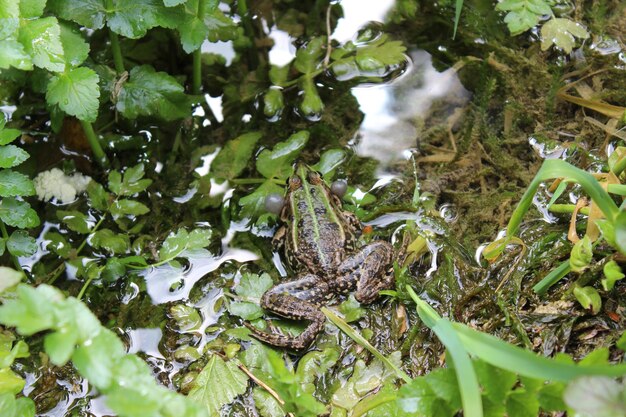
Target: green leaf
<point x="113" y="270"/>
<point x="561" y="33"/>
<point x="523" y="14"/>
<point x="9" y="18"/>
<point x="218" y="384"/>
<point x="254" y="204"/>
<point x="311" y="105"/>
<point x="60" y="345"/>
<point x="132" y="19"/>
<point x="444" y="384"/>
<point x="380" y="55"/>
<point x="32" y="311"/>
<point x="11" y="155"/>
<point x="75" y="220"/>
<point x="267" y="405"/>
<point x="550" y="396"/>
<point x="496" y="382"/>
<point x="309" y="56"/>
<point x="21" y="244"/>
<point x="10" y="383"/>
<point x="277" y="163"/>
<point x="93" y="359"/>
<point x="89" y="13"/>
<point x="329" y="161"/>
<point x="589" y="298"/>
<point x="596" y="396"/>
<point x="131" y="183"/>
<point x="351" y="309"/>
<point x="98" y="197"/>
<point x="13" y="54"/>
<point x="128" y="207"/>
<point x="76" y="92"/>
<point x="9" y="135"/>
<point x="58" y="244"/>
<point x="177" y="243"/>
<point x="31" y="8"/>
<point x="612" y="274"/>
<point x="273" y="102"/>
<point x="8" y="278"/>
<point x="522" y="403"/>
<point x="581" y="255"/>
<point x="41" y="39"/>
<point x="15" y="184"/>
<point x="620" y="232"/>
<point x="74" y="46"/>
<point x="418" y="398"/>
<point x="187" y="318"/>
<point x="110" y="241"/>
<point x="250" y="288"/>
<point x="151" y="93"/>
<point x="213" y="25"/>
<point x="233" y="158"/>
<point x="18" y="213"/>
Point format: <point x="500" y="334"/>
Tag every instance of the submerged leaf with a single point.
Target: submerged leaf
<point x="562" y="33"/>
<point x="233" y="158"/>
<point x="152" y="93"/>
<point x="277" y="162"/>
<point x="218" y="384"/>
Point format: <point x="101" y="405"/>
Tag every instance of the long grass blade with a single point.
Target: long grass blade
<point x="552" y="278"/>
<point x="526" y="363"/>
<point x="555" y="168"/>
<point x="468" y="381"/>
<point x="354" y="335"/>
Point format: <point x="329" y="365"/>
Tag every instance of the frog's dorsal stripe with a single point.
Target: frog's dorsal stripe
<point x="310" y="206"/>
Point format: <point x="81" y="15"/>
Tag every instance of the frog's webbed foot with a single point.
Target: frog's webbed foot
<point x="368" y="271"/>
<point x="298" y="300"/>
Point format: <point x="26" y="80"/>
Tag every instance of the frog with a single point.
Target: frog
<point x="320" y="240"/>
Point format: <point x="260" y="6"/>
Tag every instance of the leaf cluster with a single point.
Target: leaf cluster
<point x="75" y="334"/>
<point x="523" y="15"/>
<point x="14" y="186"/>
<point x="371" y="58"/>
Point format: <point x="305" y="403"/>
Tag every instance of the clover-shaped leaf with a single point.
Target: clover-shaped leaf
<point x="562" y="33"/>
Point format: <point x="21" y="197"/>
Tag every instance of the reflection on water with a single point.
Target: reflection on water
<point x="394" y="113"/>
<point x="171" y="283"/>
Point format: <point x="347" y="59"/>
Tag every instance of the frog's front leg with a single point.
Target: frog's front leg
<point x="299" y="299"/>
<point x="367" y="272"/>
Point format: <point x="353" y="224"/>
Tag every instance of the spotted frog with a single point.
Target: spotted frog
<point x="319" y="240"/>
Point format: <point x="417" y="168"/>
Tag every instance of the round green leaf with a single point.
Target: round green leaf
<point x="277" y="162"/>
<point x="234" y="156"/>
<point x="14" y="183"/>
<point x="21" y="244"/>
<point x="11" y="155"/>
<point x="76" y="92"/>
<point x="41" y="39"/>
<point x="18" y="213"/>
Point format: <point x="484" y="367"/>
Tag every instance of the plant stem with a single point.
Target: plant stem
<point x="242" y="10"/>
<point x="196" y="87"/>
<point x="5" y="236"/>
<point x="84" y="288"/>
<point x="197" y="57"/>
<point x="117" y="52"/>
<point x="101" y="157"/>
<point x="115" y="44"/>
<point x="620" y="166"/>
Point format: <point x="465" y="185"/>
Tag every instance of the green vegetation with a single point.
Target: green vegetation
<point x="169" y="234"/>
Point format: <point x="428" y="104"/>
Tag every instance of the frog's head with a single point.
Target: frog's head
<point x="304" y="186"/>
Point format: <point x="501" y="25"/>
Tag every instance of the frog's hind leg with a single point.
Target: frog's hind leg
<point x="368" y="271"/>
<point x="299" y="299"/>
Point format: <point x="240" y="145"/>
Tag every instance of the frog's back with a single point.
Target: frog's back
<point x="319" y="235"/>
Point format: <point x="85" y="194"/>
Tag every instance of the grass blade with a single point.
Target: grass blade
<point x="354" y="335"/>
<point x="468" y="381"/>
<point x="526" y="363"/>
<point x="552" y="278"/>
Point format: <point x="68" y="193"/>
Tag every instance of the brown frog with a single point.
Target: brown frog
<point x="319" y="241"/>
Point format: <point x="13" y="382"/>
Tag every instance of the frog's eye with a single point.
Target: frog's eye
<point x="274" y="203"/>
<point x="315" y="178"/>
<point x="339" y="187"/>
<point x="294" y="182"/>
